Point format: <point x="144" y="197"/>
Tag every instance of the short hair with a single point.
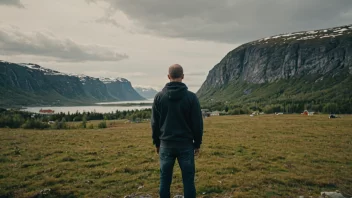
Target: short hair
<point x="175" y="71"/>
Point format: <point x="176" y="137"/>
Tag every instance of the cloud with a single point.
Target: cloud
<point x="135" y="74"/>
<point x="109" y="73"/>
<point x="16" y="3"/>
<point x="110" y="21"/>
<point x="231" y="21"/>
<point x="15" y="42"/>
<point x="108" y="17"/>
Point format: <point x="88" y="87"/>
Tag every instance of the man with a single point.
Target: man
<point x="177" y="126"/>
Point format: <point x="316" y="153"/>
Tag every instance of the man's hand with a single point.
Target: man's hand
<point x="157" y="150"/>
<point x="196" y="151"/>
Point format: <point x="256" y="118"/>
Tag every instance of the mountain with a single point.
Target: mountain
<point x="31" y="84"/>
<point x="288" y="72"/>
<point x="146" y="92"/>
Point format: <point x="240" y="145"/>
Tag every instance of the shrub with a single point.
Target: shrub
<point x="35" y="124"/>
<point x="102" y="125"/>
<point x="11" y="121"/>
<point x="83" y="124"/>
<point x="60" y="125"/>
<point x="91" y="126"/>
<point x="84" y="121"/>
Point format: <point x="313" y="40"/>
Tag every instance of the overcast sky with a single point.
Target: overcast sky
<point x="139" y="39"/>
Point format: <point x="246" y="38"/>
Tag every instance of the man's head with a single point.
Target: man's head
<point x="175" y="73"/>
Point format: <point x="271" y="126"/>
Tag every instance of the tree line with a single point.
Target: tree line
<point x="27" y="120"/>
<point x="333" y="107"/>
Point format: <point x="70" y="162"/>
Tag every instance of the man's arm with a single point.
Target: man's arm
<point x="155" y="124"/>
<point x="197" y="123"/>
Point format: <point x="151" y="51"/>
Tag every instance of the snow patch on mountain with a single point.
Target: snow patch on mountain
<point x="108" y="80"/>
<point x="46" y="71"/>
<point x="83" y="78"/>
<point x="307" y="35"/>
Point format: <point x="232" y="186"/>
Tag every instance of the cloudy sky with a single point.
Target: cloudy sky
<point x="139" y="39"/>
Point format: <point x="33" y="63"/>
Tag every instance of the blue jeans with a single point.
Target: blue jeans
<point x="185" y="158"/>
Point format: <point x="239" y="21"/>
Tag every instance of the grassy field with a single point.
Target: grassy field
<point x="241" y="156"/>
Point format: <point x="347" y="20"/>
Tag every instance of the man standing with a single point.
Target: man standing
<point x="177" y="126"/>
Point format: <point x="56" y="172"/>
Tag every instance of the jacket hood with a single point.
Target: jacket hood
<point x="175" y="90"/>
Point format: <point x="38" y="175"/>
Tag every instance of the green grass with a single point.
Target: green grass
<point x="241" y="156"/>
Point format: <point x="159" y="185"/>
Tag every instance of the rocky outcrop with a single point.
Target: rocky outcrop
<point x="313" y="56"/>
<point x="128" y="91"/>
<point x="96" y="88"/>
<point x="31" y="84"/>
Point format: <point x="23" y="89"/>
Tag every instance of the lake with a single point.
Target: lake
<point x="104" y="107"/>
<point x="126" y="102"/>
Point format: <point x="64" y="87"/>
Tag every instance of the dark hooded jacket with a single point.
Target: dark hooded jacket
<point x="176" y="117"/>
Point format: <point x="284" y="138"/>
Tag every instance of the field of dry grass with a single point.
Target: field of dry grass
<point x="241" y="156"/>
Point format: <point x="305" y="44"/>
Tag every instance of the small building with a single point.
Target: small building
<point x="255" y="113"/>
<point x="305" y="112"/>
<point x="215" y="113"/>
<point x="308" y="113"/>
<point x="46" y="111"/>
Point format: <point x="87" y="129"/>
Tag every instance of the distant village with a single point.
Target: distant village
<point x="207" y="113"/>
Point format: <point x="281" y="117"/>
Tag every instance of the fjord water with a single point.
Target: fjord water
<point x="104" y="107"/>
<point x="127" y="102"/>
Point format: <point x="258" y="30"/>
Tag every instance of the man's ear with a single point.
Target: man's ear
<point x="183" y="76"/>
<point x="169" y="76"/>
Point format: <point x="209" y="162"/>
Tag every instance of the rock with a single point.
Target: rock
<point x="45" y="191"/>
<point x="332" y="195"/>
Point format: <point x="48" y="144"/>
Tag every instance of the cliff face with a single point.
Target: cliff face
<point x="127" y="91"/>
<point x="96" y="89"/>
<point x="322" y="57"/>
<point x="30" y="84"/>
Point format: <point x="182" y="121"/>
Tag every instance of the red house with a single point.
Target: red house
<point x="46" y="111"/>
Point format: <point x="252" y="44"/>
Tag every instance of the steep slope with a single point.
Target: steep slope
<point x="146" y="92"/>
<point x="121" y="88"/>
<point x="309" y="68"/>
<point x="31" y="84"/>
<point x="24" y="85"/>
